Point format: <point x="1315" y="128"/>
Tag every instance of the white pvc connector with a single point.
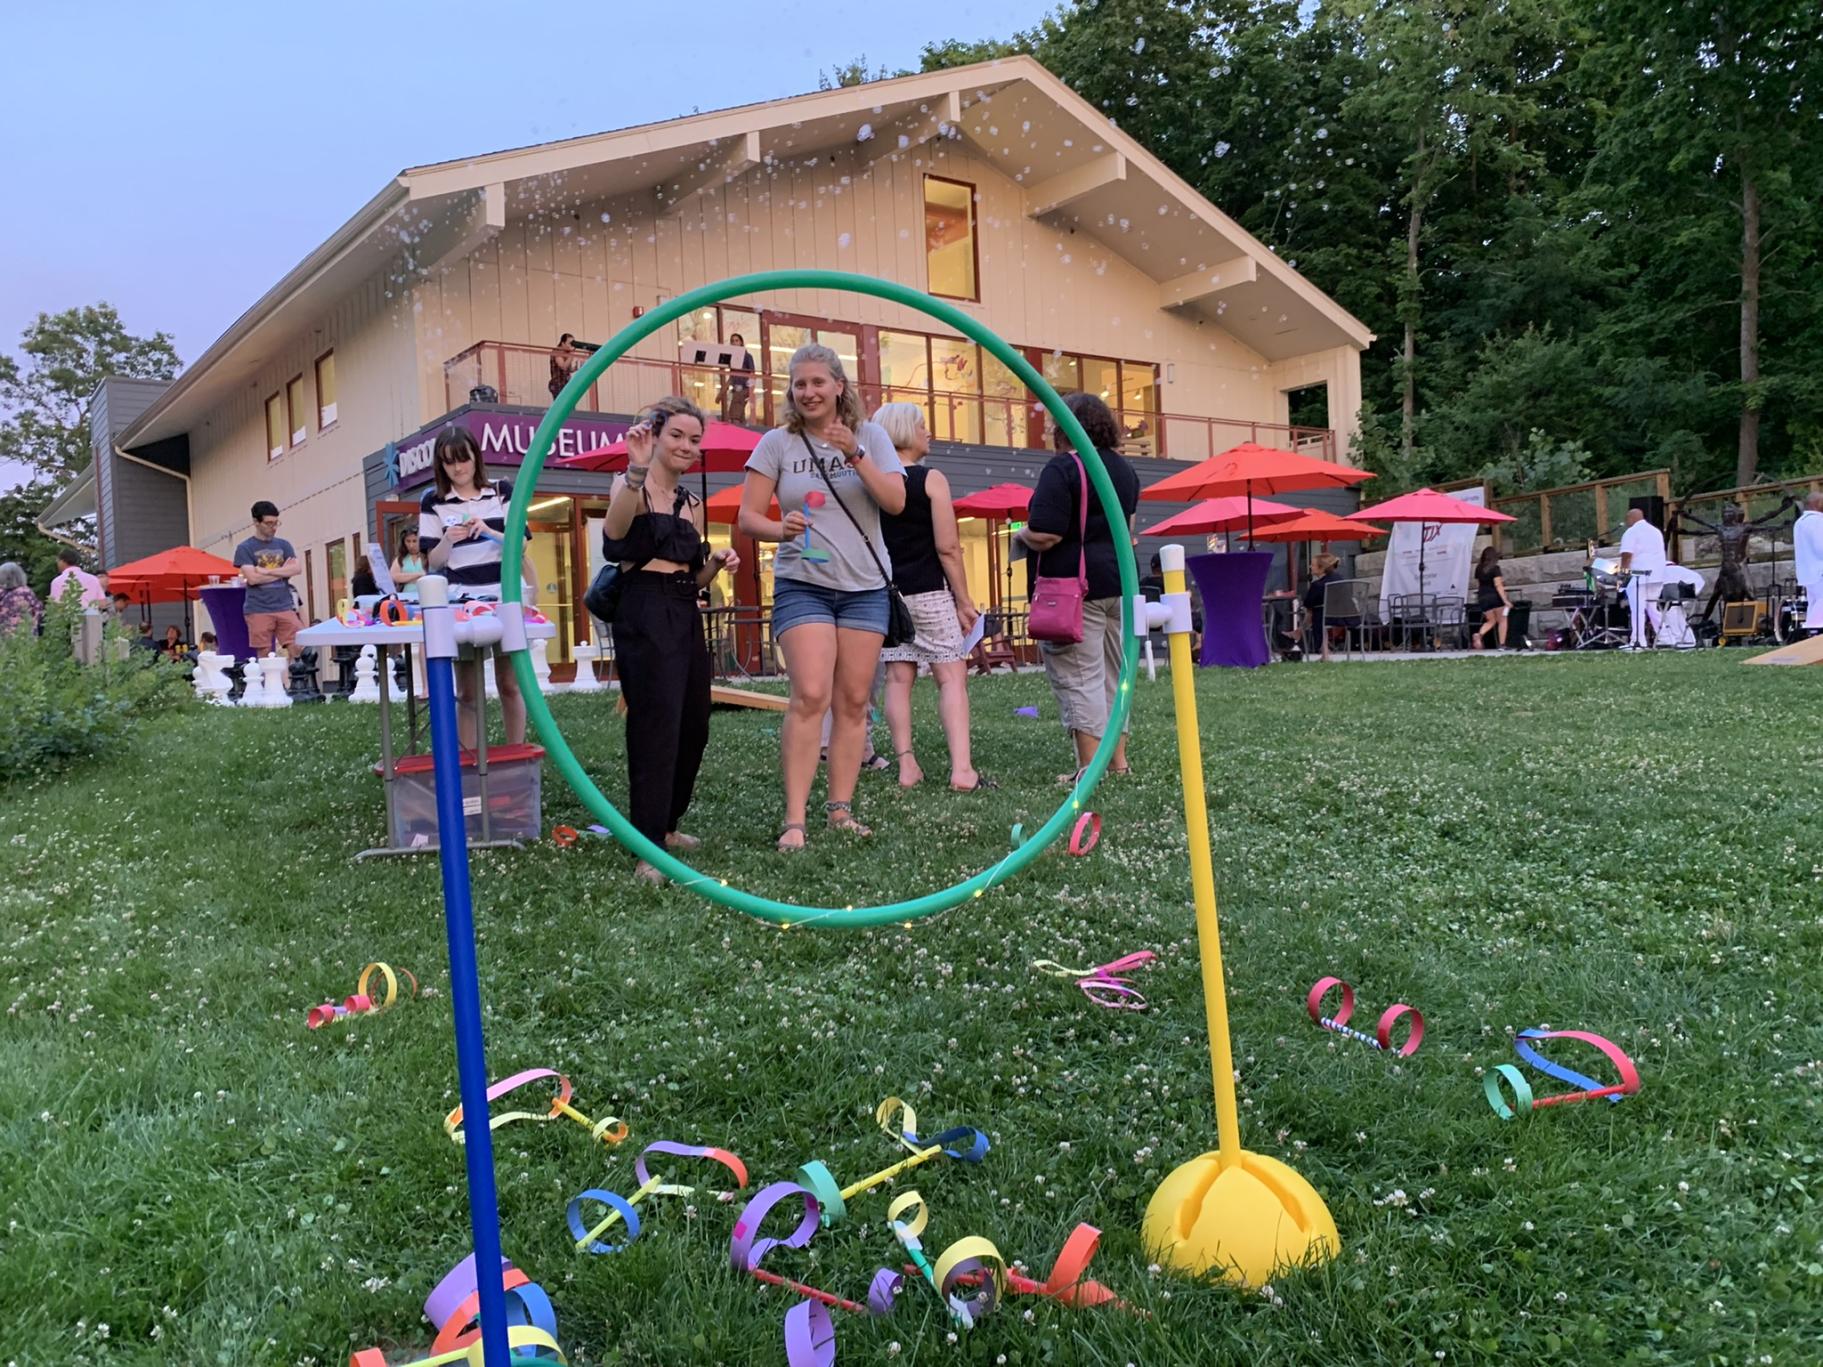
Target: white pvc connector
<point x="439" y="621"/>
<point x="1171" y="557"/>
<point x="511" y="617"/>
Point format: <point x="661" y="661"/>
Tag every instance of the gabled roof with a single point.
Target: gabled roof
<point x="1077" y="168"/>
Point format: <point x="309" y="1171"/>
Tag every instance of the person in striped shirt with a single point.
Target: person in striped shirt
<point x="461" y="529"/>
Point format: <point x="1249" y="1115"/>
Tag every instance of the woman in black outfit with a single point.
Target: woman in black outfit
<point x="1491" y="597"/>
<point x="1325" y="569"/>
<point x="654" y="528"/>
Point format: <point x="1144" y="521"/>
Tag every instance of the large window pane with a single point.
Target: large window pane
<point x="325" y="391"/>
<point x="905" y="369"/>
<point x="781" y="340"/>
<point x="1063" y="372"/>
<point x="1102" y="379"/>
<point x="956" y="377"/>
<point x="275" y="427"/>
<point x="295" y="411"/>
<point x="949" y="237"/>
<point x="1003" y="410"/>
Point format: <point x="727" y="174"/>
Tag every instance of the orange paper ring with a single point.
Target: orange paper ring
<point x="1081" y="844"/>
<point x="565" y="836"/>
<point x="394" y="613"/>
<point x="460" y="1329"/>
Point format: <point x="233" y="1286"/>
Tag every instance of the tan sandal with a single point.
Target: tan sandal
<point x="842" y="818"/>
<point x="803" y="838"/>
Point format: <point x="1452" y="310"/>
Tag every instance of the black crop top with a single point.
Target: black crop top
<point x="659" y="536"/>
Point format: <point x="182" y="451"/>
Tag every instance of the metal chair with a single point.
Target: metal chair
<point x="1345" y="609"/>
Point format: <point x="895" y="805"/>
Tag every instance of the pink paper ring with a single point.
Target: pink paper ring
<point x="1079" y="844"/>
<point x="1314" y="1002"/>
<point x="1390" y="1017"/>
<point x="1108" y="992"/>
<point x="358" y="1003"/>
<point x="319" y="1016"/>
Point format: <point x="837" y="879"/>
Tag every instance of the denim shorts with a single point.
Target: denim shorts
<point x="795" y="602"/>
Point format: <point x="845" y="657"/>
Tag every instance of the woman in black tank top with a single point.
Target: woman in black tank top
<point x="654" y="529"/>
<point x="926" y="557"/>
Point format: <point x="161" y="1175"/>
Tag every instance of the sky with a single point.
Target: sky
<point x="176" y="160"/>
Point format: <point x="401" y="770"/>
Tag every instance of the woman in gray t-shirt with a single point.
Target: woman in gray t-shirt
<point x="832" y="473"/>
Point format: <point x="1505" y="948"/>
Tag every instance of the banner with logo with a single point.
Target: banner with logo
<point x="503" y="438"/>
<point x="1448" y="550"/>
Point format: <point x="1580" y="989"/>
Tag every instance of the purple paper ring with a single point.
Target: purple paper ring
<point x="810" y="1335"/>
<point x="885" y="1286"/>
<point x="458" y="1284"/>
<point x="745" y="1249"/>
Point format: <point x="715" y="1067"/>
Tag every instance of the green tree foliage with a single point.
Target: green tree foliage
<point x="20" y="540"/>
<point x="1586" y="233"/>
<point x="44" y="400"/>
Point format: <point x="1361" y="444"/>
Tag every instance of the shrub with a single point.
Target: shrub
<point x="58" y="710"/>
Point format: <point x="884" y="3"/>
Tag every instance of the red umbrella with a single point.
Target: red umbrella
<point x="1250" y="469"/>
<point x="1312" y="524"/>
<point x="1428" y="506"/>
<point x="1000" y="502"/>
<point x="724" y="505"/>
<point x="1223" y="515"/>
<point x="170" y="576"/>
<point x="725" y="451"/>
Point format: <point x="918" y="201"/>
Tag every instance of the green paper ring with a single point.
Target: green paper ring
<point x="765" y="908"/>
<point x="1522" y="1091"/>
<point x="816" y="1178"/>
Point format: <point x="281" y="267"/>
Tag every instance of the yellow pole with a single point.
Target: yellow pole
<point x="1202" y="873"/>
<point x="887" y="1174"/>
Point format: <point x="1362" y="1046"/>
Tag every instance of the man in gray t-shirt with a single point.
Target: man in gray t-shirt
<point x="783" y="457"/>
<point x="268" y="563"/>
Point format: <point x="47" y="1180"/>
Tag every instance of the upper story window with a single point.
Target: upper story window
<point x="275" y="426"/>
<point x="949" y="238"/>
<point x="325" y="390"/>
<point x="295" y="412"/>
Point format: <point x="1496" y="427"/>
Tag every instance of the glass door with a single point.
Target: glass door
<point x="784" y="334"/>
<point x="548" y="554"/>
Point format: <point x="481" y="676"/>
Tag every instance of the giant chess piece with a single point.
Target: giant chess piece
<point x="207" y="678"/>
<point x="366" y="677"/>
<point x="253" y="683"/>
<point x="585" y="656"/>
<point x="541" y="664"/>
<point x="301" y="682"/>
<point x="276" y="668"/>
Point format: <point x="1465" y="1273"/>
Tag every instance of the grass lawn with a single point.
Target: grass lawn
<point x="1627" y="846"/>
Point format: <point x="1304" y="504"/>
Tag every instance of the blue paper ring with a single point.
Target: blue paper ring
<point x="580" y="1230"/>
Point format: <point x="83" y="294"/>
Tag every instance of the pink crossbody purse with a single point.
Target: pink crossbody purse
<point x="1056" y="610"/>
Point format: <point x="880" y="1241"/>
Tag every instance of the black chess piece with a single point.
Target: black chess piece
<point x="302" y="681"/>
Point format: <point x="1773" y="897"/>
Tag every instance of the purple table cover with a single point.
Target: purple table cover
<point x="1233" y="586"/>
<point x="226" y="604"/>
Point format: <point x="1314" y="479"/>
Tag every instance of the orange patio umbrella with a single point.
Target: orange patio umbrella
<point x="1427" y="505"/>
<point x="1222" y="515"/>
<point x="725" y="451"/>
<point x="1312" y="524"/>
<point x="1250" y="469"/>
<point x="172" y="576"/>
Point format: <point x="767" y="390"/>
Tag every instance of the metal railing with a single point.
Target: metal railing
<point x="1694" y="546"/>
<point x="1568" y="518"/>
<point x="515" y="373"/>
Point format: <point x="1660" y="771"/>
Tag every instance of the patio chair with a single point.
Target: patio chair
<point x="1345" y="609"/>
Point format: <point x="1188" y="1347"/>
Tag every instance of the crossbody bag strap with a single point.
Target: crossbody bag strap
<point x="1082" y="530"/>
<point x="867" y="541"/>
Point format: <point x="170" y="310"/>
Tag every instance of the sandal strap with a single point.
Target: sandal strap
<point x="793" y="826"/>
<point x="848" y="807"/>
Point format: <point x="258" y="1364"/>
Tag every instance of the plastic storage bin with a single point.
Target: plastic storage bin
<point x="514" y="797"/>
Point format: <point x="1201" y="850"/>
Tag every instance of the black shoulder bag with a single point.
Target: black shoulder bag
<point x="901" y="629"/>
<point x="603" y="598"/>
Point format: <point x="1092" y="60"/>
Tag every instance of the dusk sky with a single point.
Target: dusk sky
<point x="177" y="160"/>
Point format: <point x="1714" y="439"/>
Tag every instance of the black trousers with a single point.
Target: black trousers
<point x="663" y="662"/>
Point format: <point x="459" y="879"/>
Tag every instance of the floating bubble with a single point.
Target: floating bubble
<point x="1222" y="149"/>
<point x="865" y="132"/>
<point x="845" y="240"/>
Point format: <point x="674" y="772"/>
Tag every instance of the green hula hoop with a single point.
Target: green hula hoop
<point x="715" y="889"/>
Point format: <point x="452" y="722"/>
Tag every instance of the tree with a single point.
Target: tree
<point x="44" y="403"/>
<point x="20" y="540"/>
<point x="853" y="73"/>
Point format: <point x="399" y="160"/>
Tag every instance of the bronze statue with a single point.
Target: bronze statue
<point x="1735" y="535"/>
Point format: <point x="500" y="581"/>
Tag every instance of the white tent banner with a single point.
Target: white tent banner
<point x="1448" y="550"/>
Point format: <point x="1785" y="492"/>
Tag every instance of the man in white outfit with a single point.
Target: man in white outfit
<point x="1673" y="625"/>
<point x="1807" y="546"/>
<point x="1642" y="552"/>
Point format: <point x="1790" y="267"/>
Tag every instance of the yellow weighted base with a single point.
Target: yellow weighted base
<point x="1250" y="1222"/>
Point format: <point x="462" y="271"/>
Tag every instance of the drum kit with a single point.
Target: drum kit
<point x="1790" y="608"/>
<point x="1597" y="610"/>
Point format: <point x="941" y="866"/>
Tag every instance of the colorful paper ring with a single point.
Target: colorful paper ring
<point x="1090" y="822"/>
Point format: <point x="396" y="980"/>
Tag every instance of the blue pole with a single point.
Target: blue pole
<point x="464" y="983"/>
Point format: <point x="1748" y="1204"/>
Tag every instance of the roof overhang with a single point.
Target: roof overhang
<point x="76" y="500"/>
<point x="1077" y="169"/>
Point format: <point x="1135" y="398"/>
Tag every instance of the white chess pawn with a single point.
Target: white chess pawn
<point x="541" y="664"/>
<point x="585" y="656"/>
<point x="253" y="683"/>
<point x="278" y="674"/>
<point x="221" y="685"/>
<point x="366" y="677"/>
<point x="203" y="679"/>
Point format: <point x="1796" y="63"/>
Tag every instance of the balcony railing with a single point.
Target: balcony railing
<point x="519" y="374"/>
